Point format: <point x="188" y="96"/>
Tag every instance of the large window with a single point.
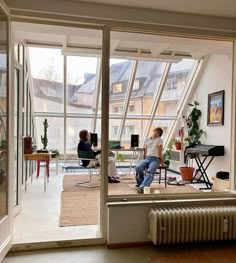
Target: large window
<point x="175" y="87"/>
<point x="69" y="108"/>
<point x="81" y="84"/>
<point x="47" y="79"/>
<point x="150" y="78"/>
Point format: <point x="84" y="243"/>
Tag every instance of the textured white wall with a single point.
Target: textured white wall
<point x="216" y="76"/>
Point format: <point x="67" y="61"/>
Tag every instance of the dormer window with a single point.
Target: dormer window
<point x="136" y="84"/>
<point x="117" y="88"/>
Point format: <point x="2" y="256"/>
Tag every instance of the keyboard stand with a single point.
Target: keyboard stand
<point x="203" y="177"/>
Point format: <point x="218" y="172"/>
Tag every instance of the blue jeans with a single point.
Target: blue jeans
<point x="151" y="163"/>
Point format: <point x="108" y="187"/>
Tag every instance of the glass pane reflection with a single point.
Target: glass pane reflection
<point x="3" y="112"/>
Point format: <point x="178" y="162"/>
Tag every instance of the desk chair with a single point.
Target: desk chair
<point x="88" y="156"/>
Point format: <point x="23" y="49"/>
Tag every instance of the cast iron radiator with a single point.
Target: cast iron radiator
<point x="192" y="224"/>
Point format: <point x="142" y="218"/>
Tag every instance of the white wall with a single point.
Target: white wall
<point x="216" y="76"/>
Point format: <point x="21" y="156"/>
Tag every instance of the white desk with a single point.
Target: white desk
<point x="137" y="154"/>
<point x="46" y="157"/>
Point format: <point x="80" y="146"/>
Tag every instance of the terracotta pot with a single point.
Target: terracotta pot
<point x="178" y="145"/>
<point x="186" y="173"/>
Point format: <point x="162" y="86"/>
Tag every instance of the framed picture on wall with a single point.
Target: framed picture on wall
<point x="215" y="114"/>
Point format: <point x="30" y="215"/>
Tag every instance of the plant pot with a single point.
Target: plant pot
<point x="186" y="173"/>
<point x="178" y="145"/>
<point x="42" y="151"/>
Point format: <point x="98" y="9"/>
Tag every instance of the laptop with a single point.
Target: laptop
<point x="114" y="145"/>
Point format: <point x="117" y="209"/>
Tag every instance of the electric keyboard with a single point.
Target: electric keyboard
<point x="206" y="150"/>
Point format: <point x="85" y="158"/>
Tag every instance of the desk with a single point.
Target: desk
<point x="45" y="157"/>
<point x="136" y="153"/>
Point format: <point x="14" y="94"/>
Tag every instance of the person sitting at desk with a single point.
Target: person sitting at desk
<point x="84" y="145"/>
<point x="152" y="159"/>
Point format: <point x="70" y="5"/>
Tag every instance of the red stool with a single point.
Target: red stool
<point x="163" y="167"/>
<point x="38" y="168"/>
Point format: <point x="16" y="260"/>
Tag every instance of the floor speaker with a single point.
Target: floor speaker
<point x="27" y="145"/>
<point x="134" y="140"/>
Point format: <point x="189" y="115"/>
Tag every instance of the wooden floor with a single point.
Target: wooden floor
<point x="191" y="253"/>
<point x="214" y="252"/>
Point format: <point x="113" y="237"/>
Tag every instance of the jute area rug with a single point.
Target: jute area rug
<point x="79" y="205"/>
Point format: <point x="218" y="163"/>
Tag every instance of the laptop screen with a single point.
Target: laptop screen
<point x="114" y="145"/>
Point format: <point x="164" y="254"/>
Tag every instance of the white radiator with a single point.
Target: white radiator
<point x="192" y="224"/>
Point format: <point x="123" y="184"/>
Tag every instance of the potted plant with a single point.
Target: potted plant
<point x="55" y="153"/>
<point x="166" y="154"/>
<point x="44" y="137"/>
<point x="194" y="135"/>
<point x="178" y="144"/>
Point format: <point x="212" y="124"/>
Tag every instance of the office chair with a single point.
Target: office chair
<point x="93" y="165"/>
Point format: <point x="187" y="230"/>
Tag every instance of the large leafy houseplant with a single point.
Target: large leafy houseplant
<point x="194" y="132"/>
<point x="194" y="135"/>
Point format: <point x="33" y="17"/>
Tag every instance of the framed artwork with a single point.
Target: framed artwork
<point x="215" y="109"/>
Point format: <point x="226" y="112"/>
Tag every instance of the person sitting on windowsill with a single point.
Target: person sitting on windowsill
<point x="84" y="145"/>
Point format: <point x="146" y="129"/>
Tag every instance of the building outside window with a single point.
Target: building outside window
<point x="117" y="109"/>
<point x="171" y="84"/>
<point x="115" y="130"/>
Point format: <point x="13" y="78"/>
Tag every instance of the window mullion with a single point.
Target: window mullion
<point x="127" y="99"/>
<point x="97" y="94"/>
<point x="157" y="97"/>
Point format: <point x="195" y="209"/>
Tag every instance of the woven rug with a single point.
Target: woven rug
<point x="79" y="205"/>
<point x="79" y="209"/>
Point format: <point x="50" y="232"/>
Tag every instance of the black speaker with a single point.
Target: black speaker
<point x="134" y="140"/>
<point x="27" y="145"/>
<point x="94" y="139"/>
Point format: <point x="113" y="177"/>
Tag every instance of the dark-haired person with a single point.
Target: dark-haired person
<point x="84" y="145"/>
<point x="152" y="159"/>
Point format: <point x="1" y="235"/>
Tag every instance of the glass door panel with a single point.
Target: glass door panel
<point x="5" y="181"/>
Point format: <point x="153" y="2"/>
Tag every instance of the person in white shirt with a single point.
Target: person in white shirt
<point x="152" y="159"/>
